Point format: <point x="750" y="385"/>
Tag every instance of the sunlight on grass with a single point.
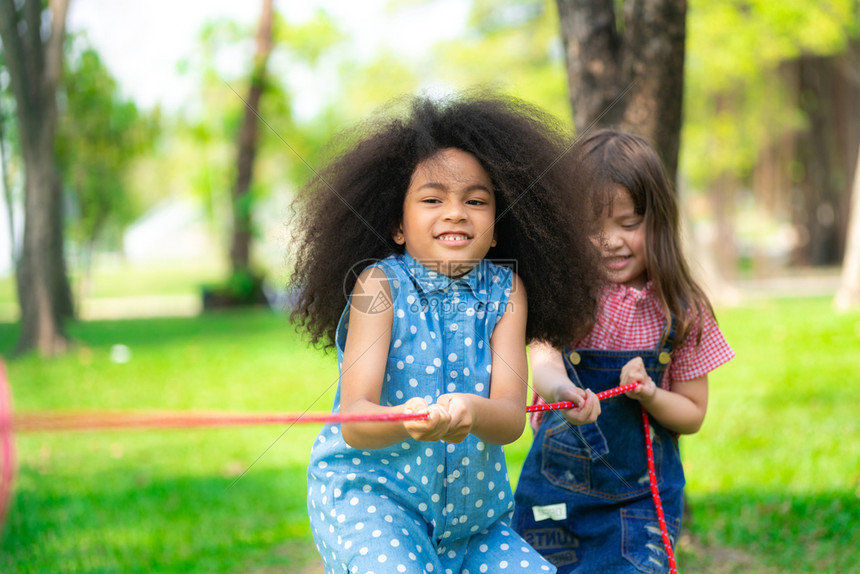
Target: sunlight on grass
<point x="776" y="468"/>
<point x="7" y="289"/>
<point x="118" y="280"/>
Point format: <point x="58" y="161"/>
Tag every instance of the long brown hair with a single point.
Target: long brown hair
<point x="611" y="158"/>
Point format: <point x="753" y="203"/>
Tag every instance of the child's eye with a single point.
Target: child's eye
<point x="476" y="202"/>
<point x="431" y="200"/>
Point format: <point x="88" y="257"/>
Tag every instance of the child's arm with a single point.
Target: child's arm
<point x="365" y="357"/>
<point x="681" y="410"/>
<point x="551" y="382"/>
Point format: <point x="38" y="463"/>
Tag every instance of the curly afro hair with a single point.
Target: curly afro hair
<point x="344" y="216"/>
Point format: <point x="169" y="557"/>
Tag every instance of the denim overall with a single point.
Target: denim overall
<point x="583" y="499"/>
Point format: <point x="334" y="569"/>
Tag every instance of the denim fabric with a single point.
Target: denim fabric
<point x="583" y="499"/>
<point x="423" y="506"/>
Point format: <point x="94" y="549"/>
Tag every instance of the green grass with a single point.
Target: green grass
<point x="776" y="468"/>
<point x="7" y="291"/>
<point x="773" y="476"/>
<point x="168" y="500"/>
<point x="128" y="280"/>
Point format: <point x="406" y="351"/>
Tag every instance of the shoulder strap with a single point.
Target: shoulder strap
<point x="667" y="339"/>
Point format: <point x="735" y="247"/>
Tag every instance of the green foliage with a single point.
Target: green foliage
<point x="772" y="476"/>
<point x="242" y="284"/>
<point x="511" y="46"/>
<point x="203" y="154"/>
<point x="99" y="136"/>
<point x="307" y="43"/>
<point x="736" y="102"/>
<point x="392" y="78"/>
<point x="515" y="47"/>
<point x="214" y="124"/>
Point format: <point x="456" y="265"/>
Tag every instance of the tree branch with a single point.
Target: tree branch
<point x="54" y="44"/>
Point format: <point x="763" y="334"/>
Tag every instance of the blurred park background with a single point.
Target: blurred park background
<point x="150" y="152"/>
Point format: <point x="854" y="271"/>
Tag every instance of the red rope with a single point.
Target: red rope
<point x="47" y="421"/>
<point x="655" y="494"/>
<point x="569" y="404"/>
<point x="63" y="421"/>
<point x="7" y="444"/>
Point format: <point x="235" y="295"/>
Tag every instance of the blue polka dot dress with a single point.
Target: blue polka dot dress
<point x="422" y="506"/>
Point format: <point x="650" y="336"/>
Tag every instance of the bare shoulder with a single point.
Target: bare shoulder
<point x="518" y="294"/>
<point x="516" y="307"/>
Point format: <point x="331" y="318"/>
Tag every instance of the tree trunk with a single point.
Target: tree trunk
<point x="627" y="75"/>
<point x="848" y="294"/>
<point x="7" y="187"/>
<point x="816" y="204"/>
<point x="35" y="68"/>
<point x="240" y="246"/>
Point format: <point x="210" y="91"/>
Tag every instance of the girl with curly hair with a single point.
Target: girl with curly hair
<point x="430" y="250"/>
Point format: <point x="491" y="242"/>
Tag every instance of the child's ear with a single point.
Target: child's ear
<point x="397" y="235"/>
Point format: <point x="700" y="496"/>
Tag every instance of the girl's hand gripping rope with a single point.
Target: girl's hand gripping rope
<point x="462" y="418"/>
<point x="586" y="405"/>
<point x="634" y="372"/>
<point x="571" y="405"/>
<point x="435" y="427"/>
<point x="449" y="419"/>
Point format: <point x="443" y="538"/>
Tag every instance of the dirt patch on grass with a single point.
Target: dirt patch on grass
<point x="694" y="555"/>
<point x="312" y="569"/>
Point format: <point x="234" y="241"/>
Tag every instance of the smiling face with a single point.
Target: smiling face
<point x="448" y="213"/>
<point x="621" y="241"/>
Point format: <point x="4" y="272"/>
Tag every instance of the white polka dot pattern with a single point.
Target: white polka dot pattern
<point x="420" y="506"/>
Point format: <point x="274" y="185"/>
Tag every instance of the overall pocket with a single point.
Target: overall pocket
<point x="567" y="456"/>
<point x="642" y="539"/>
<point x="582" y="460"/>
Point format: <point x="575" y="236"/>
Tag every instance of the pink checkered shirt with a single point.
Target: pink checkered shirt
<point x="631" y="319"/>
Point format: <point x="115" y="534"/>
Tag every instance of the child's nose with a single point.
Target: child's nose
<point x="456" y="212"/>
<point x="609" y="240"/>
